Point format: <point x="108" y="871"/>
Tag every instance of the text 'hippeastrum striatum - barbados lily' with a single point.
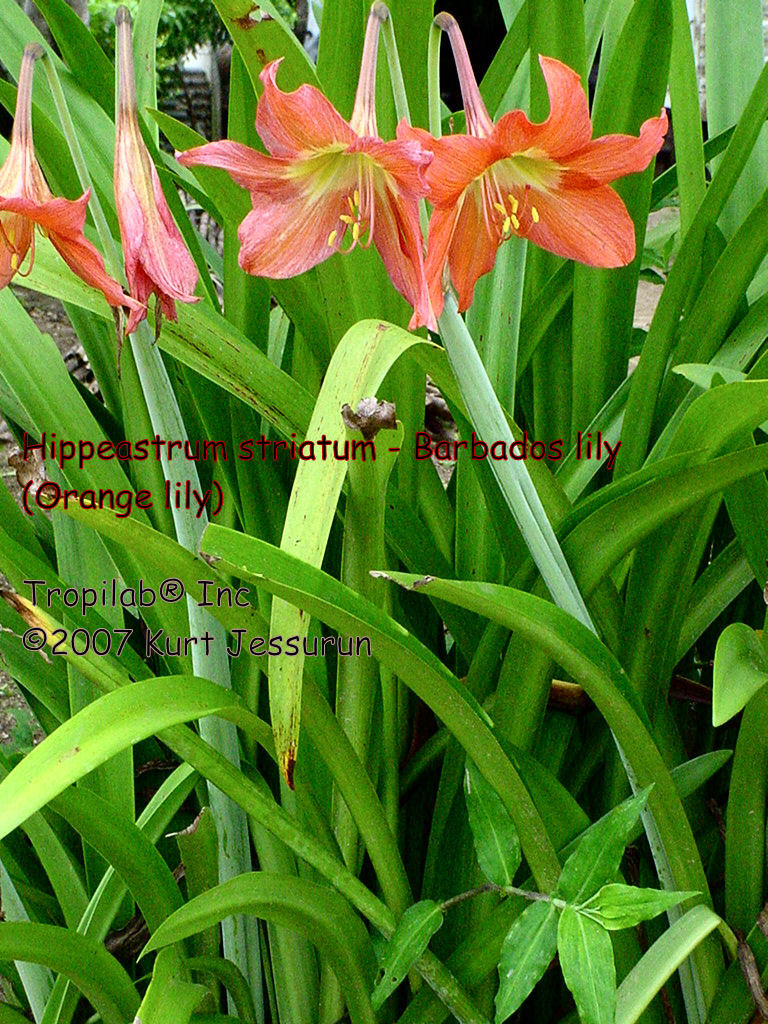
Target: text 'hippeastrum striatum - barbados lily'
<point x="156" y="259"/>
<point x="328" y="185"/>
<point x="546" y="182"/>
<point x="26" y="201"/>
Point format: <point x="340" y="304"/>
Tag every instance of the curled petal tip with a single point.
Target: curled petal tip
<point x="269" y="74"/>
<point x="34" y="51"/>
<point x="122" y="16"/>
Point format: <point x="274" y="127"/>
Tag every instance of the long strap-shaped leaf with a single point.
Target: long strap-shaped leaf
<point x="315" y="910"/>
<point x="362" y="359"/>
<point x="98" y="975"/>
<point x="321" y="595"/>
<point x="588" y="660"/>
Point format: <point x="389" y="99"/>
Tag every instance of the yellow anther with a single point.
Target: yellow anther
<point x="513" y="203"/>
<point x="505" y="226"/>
<point x="356" y="231"/>
<point x="534" y="215"/>
<point x="11" y="235"/>
<point x="357" y="197"/>
<point x="332" y="238"/>
<point x="500" y="208"/>
<point x="351" y="205"/>
<point x="14" y="261"/>
<point x="515" y="222"/>
<point x="346" y="219"/>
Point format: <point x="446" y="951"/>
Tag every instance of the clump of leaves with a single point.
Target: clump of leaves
<point x="573" y="922"/>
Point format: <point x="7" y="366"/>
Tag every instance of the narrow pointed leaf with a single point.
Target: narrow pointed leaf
<point x="528" y="950"/>
<point x="496" y="840"/>
<point x="618" y="906"/>
<point x="411" y="937"/>
<point x="586" y="960"/>
<point x="597" y="857"/>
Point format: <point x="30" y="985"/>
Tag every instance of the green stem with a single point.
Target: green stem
<point x="395" y="70"/>
<point x="512" y="476"/>
<point x="358" y="678"/>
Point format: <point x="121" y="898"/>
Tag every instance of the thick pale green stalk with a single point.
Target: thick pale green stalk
<point x="357" y="678"/>
<point x="522" y="499"/>
<point x="395" y="70"/>
<point x="512" y="476"/>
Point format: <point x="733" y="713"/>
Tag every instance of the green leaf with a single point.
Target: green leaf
<point x="661" y="961"/>
<point x="618" y="906"/>
<point x="734" y="59"/>
<point x="684" y="96"/>
<point x="496" y="840"/>
<point x="321" y="595"/>
<point x="362" y="359"/>
<point x="596" y="859"/>
<point x="528" y="950"/>
<point x="631" y="90"/>
<point x="261" y="35"/>
<point x="83" y="55"/>
<point x="100" y="978"/>
<point x="746" y="817"/>
<point x="411" y="937"/>
<point x="91" y="737"/>
<point x="648" y="375"/>
<point x="586" y="960"/>
<point x="169" y="999"/>
<point x="740" y="670"/>
<point x="315" y="910"/>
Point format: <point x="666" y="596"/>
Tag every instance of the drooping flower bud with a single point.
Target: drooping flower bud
<point x="156" y="259"/>
<point x="26" y="200"/>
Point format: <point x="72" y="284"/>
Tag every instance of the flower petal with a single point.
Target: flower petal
<point x="589" y="225"/>
<point x="293" y="124"/>
<point x="472" y="250"/>
<point x="154" y="250"/>
<point x="287" y="233"/>
<point x="63" y="220"/>
<point x="442" y="224"/>
<point x="244" y="165"/>
<point x="397" y="237"/>
<point x="16" y="235"/>
<point x="458" y="160"/>
<point x="566" y="130"/>
<point x="404" y="159"/>
<point x="613" y="156"/>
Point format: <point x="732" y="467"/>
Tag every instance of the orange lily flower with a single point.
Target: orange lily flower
<point x="328" y="185"/>
<point x="26" y="200"/>
<point x="156" y="259"/>
<point x="546" y="182"/>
